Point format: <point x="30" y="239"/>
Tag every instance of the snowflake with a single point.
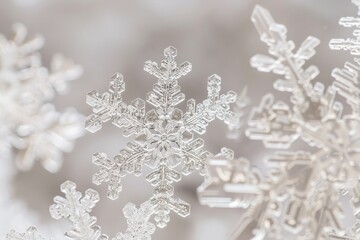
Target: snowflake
<point x="77" y="208"/>
<point x="289" y="202"/>
<point x="164" y="135"/>
<point x="30" y="127"/>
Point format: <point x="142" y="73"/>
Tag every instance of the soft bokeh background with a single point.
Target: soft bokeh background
<point x="108" y="36"/>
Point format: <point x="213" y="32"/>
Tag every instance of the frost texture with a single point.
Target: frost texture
<point x="30" y="127"/>
<point x="164" y="135"/>
<point x="300" y="198"/>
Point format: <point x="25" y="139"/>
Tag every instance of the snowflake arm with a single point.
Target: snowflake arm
<point x="168" y="69"/>
<point x="284" y="61"/>
<point x="107" y="106"/>
<point x="54" y="132"/>
<point x="277" y="123"/>
<point x="77" y="208"/>
<point x="197" y="117"/>
<point x="139" y="226"/>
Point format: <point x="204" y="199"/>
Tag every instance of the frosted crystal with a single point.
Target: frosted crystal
<point x="30" y="127"/>
<point x="165" y="136"/>
<point x="300" y="197"/>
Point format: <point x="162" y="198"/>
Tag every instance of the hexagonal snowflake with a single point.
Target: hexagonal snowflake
<point x="164" y="135"/>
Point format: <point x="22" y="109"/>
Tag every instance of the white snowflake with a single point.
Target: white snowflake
<point x="289" y="203"/>
<point x="77" y="208"/>
<point x="30" y="127"/>
<point x="164" y="135"/>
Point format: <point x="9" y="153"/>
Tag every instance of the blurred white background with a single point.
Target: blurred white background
<point x="108" y="36"/>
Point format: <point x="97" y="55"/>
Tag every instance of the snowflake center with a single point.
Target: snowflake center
<point x="164" y="137"/>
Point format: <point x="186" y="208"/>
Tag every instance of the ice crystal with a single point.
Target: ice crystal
<point x="30" y="127"/>
<point x="290" y="202"/>
<point x="77" y="208"/>
<point x="164" y="135"/>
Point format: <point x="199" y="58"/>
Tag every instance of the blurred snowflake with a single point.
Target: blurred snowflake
<point x="30" y="127"/>
<point x="164" y="135"/>
<point x="347" y="85"/>
<point x="300" y="197"/>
